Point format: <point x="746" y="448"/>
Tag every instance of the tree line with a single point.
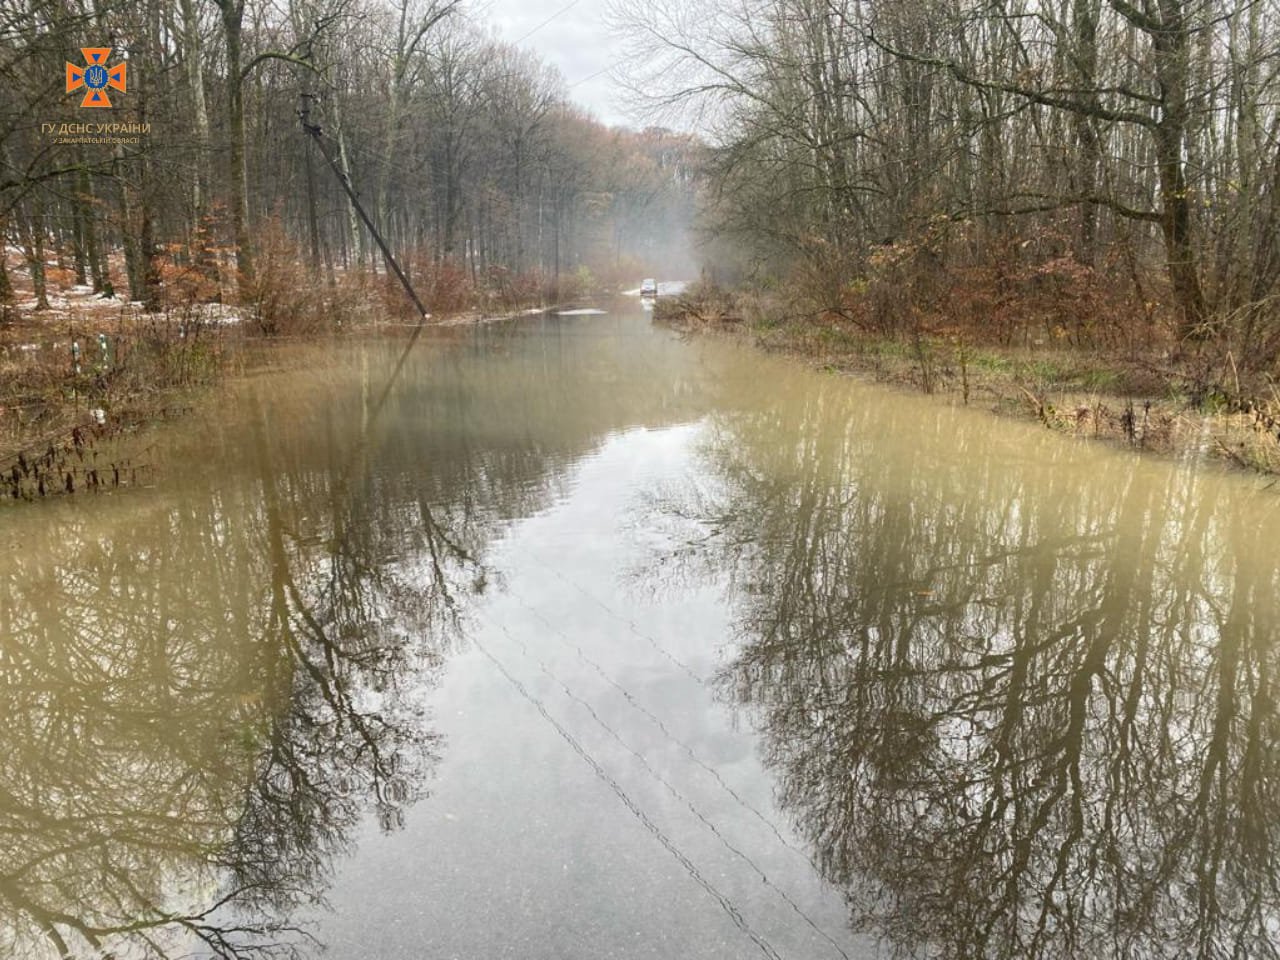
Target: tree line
<point x="1133" y="142"/>
<point x="463" y="148"/>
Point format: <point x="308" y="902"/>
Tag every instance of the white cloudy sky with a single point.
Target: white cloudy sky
<point x="573" y="36"/>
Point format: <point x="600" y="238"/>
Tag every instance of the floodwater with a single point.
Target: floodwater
<point x="581" y="641"/>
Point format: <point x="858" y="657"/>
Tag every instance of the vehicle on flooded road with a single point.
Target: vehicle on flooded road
<point x="649" y="288"/>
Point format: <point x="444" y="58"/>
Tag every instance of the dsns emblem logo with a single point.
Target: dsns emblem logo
<point x="95" y="77"/>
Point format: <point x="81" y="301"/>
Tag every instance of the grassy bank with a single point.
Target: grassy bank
<point x="1195" y="405"/>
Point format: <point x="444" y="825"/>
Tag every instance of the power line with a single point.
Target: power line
<point x="657" y="721"/>
<point x="563" y="10"/>
<point x="630" y="625"/>
<point x="726" y="904"/>
<point x="672" y="789"/>
<point x="577" y="83"/>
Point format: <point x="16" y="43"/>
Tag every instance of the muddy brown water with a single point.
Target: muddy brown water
<point x="589" y="642"/>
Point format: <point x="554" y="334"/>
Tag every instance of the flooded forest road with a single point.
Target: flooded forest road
<point x="592" y="643"/>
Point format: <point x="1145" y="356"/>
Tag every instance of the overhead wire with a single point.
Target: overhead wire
<point x="672" y="789"/>
<point x="630" y="625"/>
<point x="636" y="810"/>
<point x="578" y="83"/>
<point x="666" y="732"/>
<point x="559" y="13"/>
<point x="663" y="728"/>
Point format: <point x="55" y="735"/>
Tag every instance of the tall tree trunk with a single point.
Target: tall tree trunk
<point x="193" y="61"/>
<point x="389" y="144"/>
<point x="6" y="286"/>
<point x="34" y="243"/>
<point x="354" y="235"/>
<point x="519" y="206"/>
<point x="98" y="274"/>
<point x="1171" y="66"/>
<point x="558" y="213"/>
<point x="313" y="216"/>
<point x="452" y="199"/>
<point x="1085" y="14"/>
<point x="150" y="268"/>
<point x="237" y="172"/>
<point x="79" y="254"/>
<point x="129" y="229"/>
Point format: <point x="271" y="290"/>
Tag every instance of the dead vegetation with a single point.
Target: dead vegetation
<point x="81" y="372"/>
<point x="81" y="377"/>
<point x="1039" y="337"/>
<point x="701" y="304"/>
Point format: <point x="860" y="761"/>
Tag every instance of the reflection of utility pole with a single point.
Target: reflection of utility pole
<point x="314" y="130"/>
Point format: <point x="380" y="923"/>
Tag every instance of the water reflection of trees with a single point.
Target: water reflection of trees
<point x="202" y="701"/>
<point x="201" y="704"/>
<point x="1021" y="705"/>
<point x="204" y="690"/>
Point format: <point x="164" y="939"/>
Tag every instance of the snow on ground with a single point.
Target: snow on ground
<point x="80" y="302"/>
<point x="55" y="303"/>
<point x="216" y="313"/>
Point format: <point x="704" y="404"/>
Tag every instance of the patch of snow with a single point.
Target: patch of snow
<point x="581" y="312"/>
<point x="220" y="313"/>
<point x="33" y="304"/>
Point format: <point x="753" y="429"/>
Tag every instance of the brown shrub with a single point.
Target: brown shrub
<point x="284" y="297"/>
<point x="448" y="288"/>
<point x="1008" y="291"/>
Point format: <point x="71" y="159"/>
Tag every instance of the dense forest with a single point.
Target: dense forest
<point x="1098" y="171"/>
<point x="466" y="151"/>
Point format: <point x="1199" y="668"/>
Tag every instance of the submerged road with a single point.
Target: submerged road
<point x="592" y="642"/>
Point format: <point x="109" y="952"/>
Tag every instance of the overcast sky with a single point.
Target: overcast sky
<point x="572" y="36"/>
